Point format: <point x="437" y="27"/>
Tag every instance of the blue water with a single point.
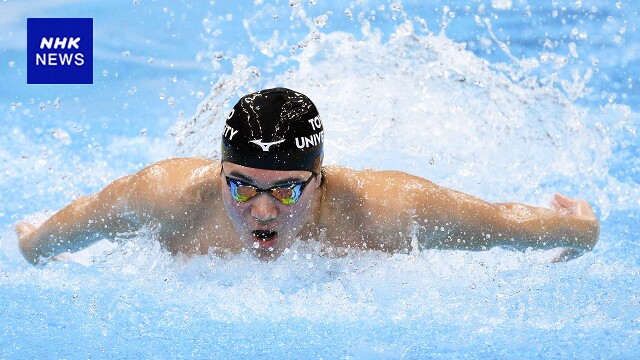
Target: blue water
<point x="505" y="100"/>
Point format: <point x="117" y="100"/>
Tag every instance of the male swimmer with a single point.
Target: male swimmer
<point x="270" y="188"/>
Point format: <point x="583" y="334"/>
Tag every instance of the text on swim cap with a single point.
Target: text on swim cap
<point x="229" y="132"/>
<point x="313" y="140"/>
<point x="316" y="122"/>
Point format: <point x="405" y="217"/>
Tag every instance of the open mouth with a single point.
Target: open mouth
<point x="265" y="238"/>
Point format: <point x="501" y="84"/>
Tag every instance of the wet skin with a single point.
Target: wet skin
<point x="188" y="204"/>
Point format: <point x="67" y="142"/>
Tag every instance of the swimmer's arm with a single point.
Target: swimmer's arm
<point x="85" y="221"/>
<point x="473" y="224"/>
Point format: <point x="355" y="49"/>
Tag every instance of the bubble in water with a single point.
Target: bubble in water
<point x="126" y="53"/>
<point x="150" y="60"/>
<point x="171" y="101"/>
<point x="200" y="95"/>
<point x="143" y="131"/>
<point x="12" y="63"/>
<point x="105" y="73"/>
<point x="56" y="103"/>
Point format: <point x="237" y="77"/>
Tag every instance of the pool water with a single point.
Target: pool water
<point x="507" y="100"/>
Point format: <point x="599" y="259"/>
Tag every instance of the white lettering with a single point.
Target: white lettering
<point x="73" y="42"/>
<point x="41" y="59"/>
<point x="60" y="43"/>
<point x="65" y="59"/>
<point x="229" y="132"/>
<point x="53" y="59"/>
<point x="313" y="140"/>
<point x="79" y="60"/>
<point x="310" y="141"/>
<point x="316" y="122"/>
<point x="231" y="114"/>
<point x="48" y="42"/>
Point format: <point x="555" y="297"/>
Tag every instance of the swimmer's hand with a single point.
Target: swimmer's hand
<point x="577" y="209"/>
<point x="24" y="229"/>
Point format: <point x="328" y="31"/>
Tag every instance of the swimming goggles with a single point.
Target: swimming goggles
<point x="287" y="194"/>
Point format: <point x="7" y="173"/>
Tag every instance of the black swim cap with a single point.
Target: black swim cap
<point x="274" y="129"/>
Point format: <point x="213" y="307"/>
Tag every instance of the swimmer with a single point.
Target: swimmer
<point x="270" y="188"/>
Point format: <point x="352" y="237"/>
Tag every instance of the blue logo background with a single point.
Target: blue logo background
<point x="69" y="73"/>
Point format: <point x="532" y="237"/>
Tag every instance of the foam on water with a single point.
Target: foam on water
<point x="405" y="99"/>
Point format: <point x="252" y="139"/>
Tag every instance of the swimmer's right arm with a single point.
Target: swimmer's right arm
<point x="162" y="193"/>
<point x="83" y="222"/>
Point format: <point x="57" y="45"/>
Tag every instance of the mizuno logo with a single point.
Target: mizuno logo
<point x="265" y="146"/>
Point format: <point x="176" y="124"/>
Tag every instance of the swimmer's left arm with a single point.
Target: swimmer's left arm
<point x="473" y="224"/>
<point x="571" y="224"/>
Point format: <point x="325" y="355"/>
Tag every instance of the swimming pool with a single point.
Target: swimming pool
<point x="508" y="100"/>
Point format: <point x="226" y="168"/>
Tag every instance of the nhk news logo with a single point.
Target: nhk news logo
<point x="60" y="51"/>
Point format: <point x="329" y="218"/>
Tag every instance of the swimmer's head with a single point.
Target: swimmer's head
<point x="274" y="129"/>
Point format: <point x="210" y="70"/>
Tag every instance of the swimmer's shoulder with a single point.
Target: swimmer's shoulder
<point x="342" y="181"/>
<point x="341" y="186"/>
<point x="177" y="181"/>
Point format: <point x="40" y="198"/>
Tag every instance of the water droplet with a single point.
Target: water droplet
<point x="62" y="136"/>
<point x="321" y="21"/>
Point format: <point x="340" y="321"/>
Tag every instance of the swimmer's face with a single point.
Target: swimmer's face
<point x="267" y="226"/>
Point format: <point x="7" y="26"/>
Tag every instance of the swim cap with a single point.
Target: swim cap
<point x="274" y="129"/>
